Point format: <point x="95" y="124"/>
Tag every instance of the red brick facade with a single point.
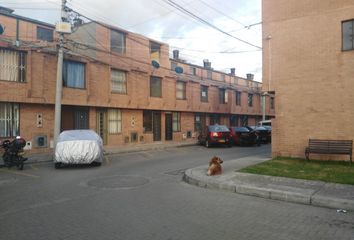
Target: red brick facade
<point x="90" y="46"/>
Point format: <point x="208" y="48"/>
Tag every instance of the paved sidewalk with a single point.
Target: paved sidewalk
<point x="316" y="193"/>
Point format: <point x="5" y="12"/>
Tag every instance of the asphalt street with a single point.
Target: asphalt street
<point x="141" y="195"/>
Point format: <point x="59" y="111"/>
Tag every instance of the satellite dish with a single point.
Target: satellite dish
<point x="2" y="29"/>
<point x="155" y="64"/>
<point x="179" y="70"/>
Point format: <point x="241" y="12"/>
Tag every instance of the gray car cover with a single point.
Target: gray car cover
<point x="78" y="147"/>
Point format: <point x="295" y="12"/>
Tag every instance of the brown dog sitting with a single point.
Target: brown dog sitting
<point x="215" y="166"/>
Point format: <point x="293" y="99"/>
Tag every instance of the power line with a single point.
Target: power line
<point x="222" y="13"/>
<point x="145" y="45"/>
<point x="190" y="14"/>
<point x="153" y="18"/>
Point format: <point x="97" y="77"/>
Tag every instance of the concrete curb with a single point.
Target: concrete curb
<point x="313" y="196"/>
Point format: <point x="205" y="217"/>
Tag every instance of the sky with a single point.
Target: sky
<point x="225" y="21"/>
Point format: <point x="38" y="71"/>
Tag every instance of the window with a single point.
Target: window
<point x="222" y="77"/>
<point x="12" y="65"/>
<point x="176" y="121"/>
<point x="223" y="96"/>
<point x="234" y="120"/>
<point x="193" y="71"/>
<point x="155" y="87"/>
<point x="117" y="42"/>
<point x="119" y="81"/>
<point x="147" y="120"/>
<point x="209" y="74"/>
<point x="214" y="119"/>
<point x="198" y="123"/>
<point x="173" y="66"/>
<point x="238" y="98"/>
<point x="272" y="103"/>
<point x="73" y="74"/>
<point x="155" y="51"/>
<point x="244" y="120"/>
<point x="180" y="90"/>
<point x="348" y="35"/>
<point x="45" y="34"/>
<point x="250" y="99"/>
<point x="9" y="119"/>
<point x="204" y="93"/>
<point x="114" y="121"/>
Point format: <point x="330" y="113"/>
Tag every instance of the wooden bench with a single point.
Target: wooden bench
<point x="329" y="147"/>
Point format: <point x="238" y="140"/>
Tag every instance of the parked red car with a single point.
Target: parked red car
<point x="243" y="136"/>
<point x="214" y="135"/>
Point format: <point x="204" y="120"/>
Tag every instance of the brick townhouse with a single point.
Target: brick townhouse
<point x="120" y="84"/>
<point x="308" y="59"/>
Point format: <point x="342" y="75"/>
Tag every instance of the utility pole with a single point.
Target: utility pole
<point x="59" y="83"/>
<point x="263" y="96"/>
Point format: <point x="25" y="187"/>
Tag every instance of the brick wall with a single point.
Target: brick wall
<point x="311" y="75"/>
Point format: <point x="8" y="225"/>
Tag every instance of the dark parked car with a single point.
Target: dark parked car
<point x="215" y="134"/>
<point x="242" y="136"/>
<point x="262" y="132"/>
<point x="269" y="137"/>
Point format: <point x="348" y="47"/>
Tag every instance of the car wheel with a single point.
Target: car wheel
<point x="207" y="143"/>
<point x="20" y="164"/>
<point x="57" y="165"/>
<point x="96" y="164"/>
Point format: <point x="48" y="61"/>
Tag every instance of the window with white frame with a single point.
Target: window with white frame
<point x="117" y="41"/>
<point x="9" y="119"/>
<point x="73" y="74"/>
<point x="119" y="81"/>
<point x="180" y="90"/>
<point x="176" y="121"/>
<point x="12" y="65"/>
<point x="203" y="93"/>
<point x="114" y="121"/>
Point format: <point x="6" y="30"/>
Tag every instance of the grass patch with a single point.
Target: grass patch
<point x="327" y="171"/>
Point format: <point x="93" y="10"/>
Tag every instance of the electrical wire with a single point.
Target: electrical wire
<point x="222" y="13"/>
<point x="194" y="16"/>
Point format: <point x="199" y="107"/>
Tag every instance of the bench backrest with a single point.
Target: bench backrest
<point x="333" y="146"/>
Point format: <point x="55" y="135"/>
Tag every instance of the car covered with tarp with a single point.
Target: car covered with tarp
<point x="78" y="147"/>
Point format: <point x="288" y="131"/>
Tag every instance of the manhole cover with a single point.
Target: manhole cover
<point x="118" y="182"/>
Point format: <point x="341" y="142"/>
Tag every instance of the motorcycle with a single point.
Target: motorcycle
<point x="13" y="152"/>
